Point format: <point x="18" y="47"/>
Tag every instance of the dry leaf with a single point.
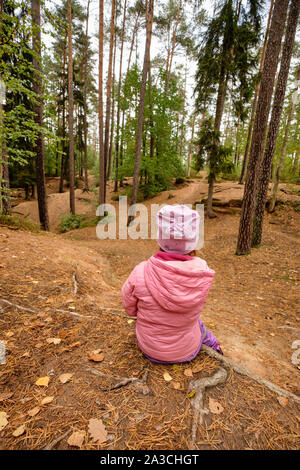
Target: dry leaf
<point x="95" y="356"/>
<point x="64" y="378"/>
<point x="38" y="345"/>
<point x="34" y="411"/>
<point x="97" y="430"/>
<point x="215" y="406"/>
<point x="188" y="372"/>
<point x="26" y="354"/>
<point x="5" y="396"/>
<point x="43" y="381"/>
<point x="3" y="420"/>
<point x="176" y="385"/>
<point x="62" y="334"/>
<point x="9" y="334"/>
<point x="283" y="401"/>
<point x="130" y="321"/>
<point x="47" y="400"/>
<point x="53" y="340"/>
<point x="73" y="345"/>
<point x="76" y="439"/>
<point x="167" y="377"/>
<point x="197" y="368"/>
<point x="19" y="431"/>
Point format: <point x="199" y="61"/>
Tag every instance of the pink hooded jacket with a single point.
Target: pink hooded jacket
<point x="167" y="297"/>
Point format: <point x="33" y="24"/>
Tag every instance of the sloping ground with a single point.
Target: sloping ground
<point x="38" y="274"/>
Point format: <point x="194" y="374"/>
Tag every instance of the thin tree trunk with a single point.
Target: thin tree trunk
<point x="190" y="147"/>
<point x="38" y="118"/>
<point x="275" y="121"/>
<point x="260" y="125"/>
<point x="281" y="158"/>
<point x="100" y="110"/>
<point x="254" y="102"/>
<point x="108" y="91"/>
<point x="169" y="64"/>
<point x="71" y="110"/>
<point x="112" y="121"/>
<point x="149" y="21"/>
<point x="86" y="182"/>
<point x="63" y="155"/>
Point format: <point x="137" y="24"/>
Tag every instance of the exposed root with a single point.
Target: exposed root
<point x="17" y="306"/>
<point x="56" y="441"/>
<point x="198" y="402"/>
<point x="75" y="286"/>
<point x="243" y="371"/>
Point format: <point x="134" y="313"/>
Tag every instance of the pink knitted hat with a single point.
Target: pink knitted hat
<point x="178" y="229"/>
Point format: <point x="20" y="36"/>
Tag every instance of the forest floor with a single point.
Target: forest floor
<point x="49" y="330"/>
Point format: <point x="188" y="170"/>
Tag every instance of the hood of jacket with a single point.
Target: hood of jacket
<point x="178" y="286"/>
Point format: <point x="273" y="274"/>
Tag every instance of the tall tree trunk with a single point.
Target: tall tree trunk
<point x="100" y="110"/>
<point x="63" y="155"/>
<point x="86" y="181"/>
<point x="112" y="121"/>
<point x="38" y="118"/>
<point x="108" y="90"/>
<point x="260" y="125"/>
<point x="119" y="93"/>
<point x="169" y="62"/>
<point x="190" y="147"/>
<point x="281" y="157"/>
<point x="149" y="21"/>
<point x="275" y="121"/>
<point x="254" y="102"/>
<point x="71" y="110"/>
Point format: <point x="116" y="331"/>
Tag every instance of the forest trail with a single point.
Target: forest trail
<point x="251" y="308"/>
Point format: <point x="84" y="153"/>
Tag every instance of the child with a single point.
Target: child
<point x="167" y="293"/>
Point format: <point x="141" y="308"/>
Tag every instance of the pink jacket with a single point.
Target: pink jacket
<point x="167" y="297"/>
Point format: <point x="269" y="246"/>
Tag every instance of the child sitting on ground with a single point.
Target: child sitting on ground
<point x="167" y="293"/>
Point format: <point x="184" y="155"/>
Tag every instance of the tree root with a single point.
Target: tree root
<point x="56" y="441"/>
<point x="198" y="402"/>
<point x="243" y="371"/>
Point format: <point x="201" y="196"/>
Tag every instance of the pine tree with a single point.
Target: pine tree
<point x="260" y="125"/>
<point x="275" y="121"/>
<point x="38" y="109"/>
<point x="71" y="110"/>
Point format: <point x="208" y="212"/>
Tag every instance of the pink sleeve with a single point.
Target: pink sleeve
<point x="129" y="300"/>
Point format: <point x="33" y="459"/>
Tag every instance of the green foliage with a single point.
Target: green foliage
<point x="18" y="222"/>
<point x="69" y="222"/>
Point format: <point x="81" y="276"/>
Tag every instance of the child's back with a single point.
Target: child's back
<point x="167" y="294"/>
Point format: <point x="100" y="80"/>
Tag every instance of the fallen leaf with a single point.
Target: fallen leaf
<point x="62" y="334"/>
<point x="38" y="345"/>
<point x="34" y="411"/>
<point x="76" y="439"/>
<point x="47" y="400"/>
<point x="188" y="372"/>
<point x="65" y="378"/>
<point x="3" y="420"/>
<point x="283" y="401"/>
<point x="176" y="385"/>
<point x="167" y="377"/>
<point x="130" y="321"/>
<point x="197" y="368"/>
<point x="95" y="356"/>
<point x="215" y="407"/>
<point x="97" y="430"/>
<point x="53" y="340"/>
<point x="19" y="431"/>
<point x="190" y="395"/>
<point x="43" y="381"/>
<point x="26" y="354"/>
<point x="5" y="396"/>
<point x="9" y="334"/>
